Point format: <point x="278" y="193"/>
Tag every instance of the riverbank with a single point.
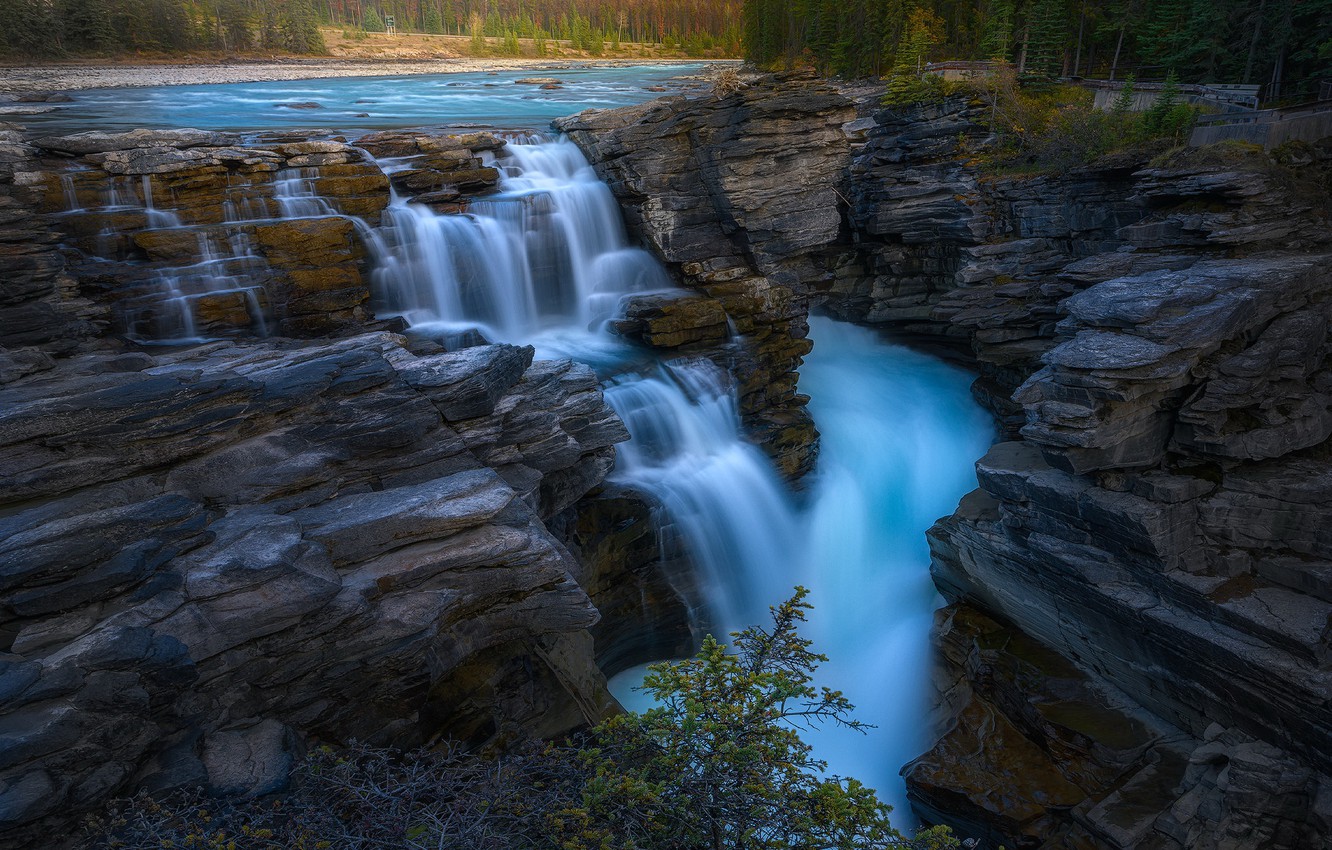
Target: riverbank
<point x="77" y="76"/>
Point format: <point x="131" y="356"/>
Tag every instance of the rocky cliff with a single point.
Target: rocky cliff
<point x="707" y="185"/>
<point x="211" y="555"/>
<point x="1136" y="653"/>
<point x="178" y="234"/>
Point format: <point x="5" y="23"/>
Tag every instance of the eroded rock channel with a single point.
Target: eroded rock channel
<point x="277" y="468"/>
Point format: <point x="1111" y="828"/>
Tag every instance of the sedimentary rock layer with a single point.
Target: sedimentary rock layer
<point x="736" y="194"/>
<point x="1137" y="650"/>
<point x="208" y="556"/>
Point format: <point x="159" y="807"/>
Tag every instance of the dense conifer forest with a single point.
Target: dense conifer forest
<point x="57" y="28"/>
<point x="1284" y="45"/>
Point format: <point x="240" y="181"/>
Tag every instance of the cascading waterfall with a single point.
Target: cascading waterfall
<point x="899" y="436"/>
<point x="900" y="433"/>
<point x="227" y="267"/>
<point x="548" y="253"/>
<point x="721" y="494"/>
<point x="546" y="261"/>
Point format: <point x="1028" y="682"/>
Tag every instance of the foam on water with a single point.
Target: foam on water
<point x="900" y="434"/>
<point x="352" y="104"/>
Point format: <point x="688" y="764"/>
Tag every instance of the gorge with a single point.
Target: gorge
<point x="363" y="495"/>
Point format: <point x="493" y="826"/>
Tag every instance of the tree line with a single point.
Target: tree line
<point x="1283" y="45"/>
<point x="81" y="27"/>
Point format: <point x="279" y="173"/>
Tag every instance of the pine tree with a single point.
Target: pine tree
<point x="372" y="22"/>
<point x="997" y="33"/>
<point x="908" y="84"/>
<point x="270" y="27"/>
<point x="237" y="24"/>
<point x="431" y="20"/>
<point x="1046" y="37"/>
<point x="86" y="26"/>
<point x="300" y="29"/>
<point x="1124" y="100"/>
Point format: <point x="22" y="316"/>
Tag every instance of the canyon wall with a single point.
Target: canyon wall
<point x="710" y="191"/>
<point x="212" y="555"/>
<point x="1135" y="653"/>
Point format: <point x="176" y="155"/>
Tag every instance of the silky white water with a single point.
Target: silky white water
<point x="544" y="261"/>
<point x="899" y="436"/>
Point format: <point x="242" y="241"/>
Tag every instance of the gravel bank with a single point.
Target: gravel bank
<point x="74" y="77"/>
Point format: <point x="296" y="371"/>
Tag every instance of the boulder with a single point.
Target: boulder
<point x="98" y="141"/>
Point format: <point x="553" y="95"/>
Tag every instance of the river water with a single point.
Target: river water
<point x="546" y="262"/>
<point x="355" y="104"/>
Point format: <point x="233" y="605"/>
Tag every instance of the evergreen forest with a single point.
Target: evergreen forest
<point x="1283" y="45"/>
<point x="71" y="28"/>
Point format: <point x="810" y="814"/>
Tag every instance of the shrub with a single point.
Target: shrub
<point x="726" y="82"/>
<point x="372" y="22"/>
<point x="1057" y="127"/>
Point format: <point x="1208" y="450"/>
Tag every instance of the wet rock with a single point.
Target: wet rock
<point x="302" y="104"/>
<point x="97" y="141"/>
<point x="400" y="143"/>
<point x="212" y="553"/>
<point x="672" y="320"/>
<point x="707" y="185"/>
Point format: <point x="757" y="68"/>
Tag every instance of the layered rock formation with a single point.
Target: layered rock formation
<point x="1136" y="654"/>
<point x="209" y="556"/>
<point x="1156" y="335"/>
<point x="180" y="234"/>
<point x="736" y="195"/>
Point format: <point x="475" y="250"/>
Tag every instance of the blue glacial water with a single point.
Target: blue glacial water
<point x="353" y="104"/>
<point x="900" y="431"/>
<point x="900" y="435"/>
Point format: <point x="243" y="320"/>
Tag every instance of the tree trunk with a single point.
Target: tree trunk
<point x="1274" y="90"/>
<point x="1114" y="65"/>
<point x="1082" y="25"/>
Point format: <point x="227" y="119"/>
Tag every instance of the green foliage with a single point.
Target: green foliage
<point x="997" y="30"/>
<point x="65" y="27"/>
<point x="1123" y="104"/>
<point x="431" y="19"/>
<point x="372" y="22"/>
<point x="1207" y="41"/>
<point x="909" y="84"/>
<point x="1167" y="117"/>
<point x="719" y="765"/>
<point x="300" y="29"/>
<point x="1055" y="128"/>
<point x="1046" y="37"/>
<point x="511" y="46"/>
<point x="237" y="22"/>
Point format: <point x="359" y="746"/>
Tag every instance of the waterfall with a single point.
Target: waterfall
<point x="900" y="433"/>
<point x="296" y="197"/>
<point x="721" y="494"/>
<point x="546" y="260"/>
<point x="548" y="253"/>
